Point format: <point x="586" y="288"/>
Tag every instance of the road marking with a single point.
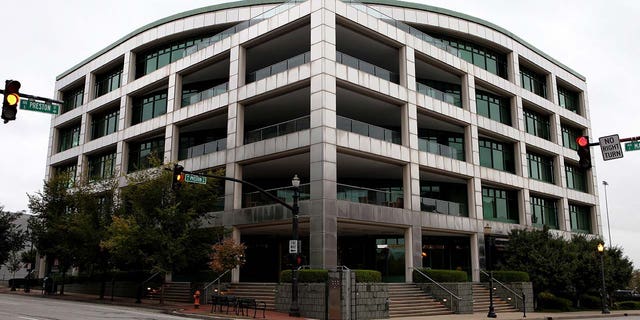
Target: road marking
<point x="27" y="318"/>
<point x="148" y="313"/>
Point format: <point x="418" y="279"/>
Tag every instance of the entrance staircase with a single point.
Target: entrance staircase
<point x="481" y="301"/>
<point x="408" y="300"/>
<point x="265" y="292"/>
<point x="175" y="291"/>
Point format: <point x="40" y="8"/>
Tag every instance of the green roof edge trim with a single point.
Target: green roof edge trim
<point x="213" y="8"/>
<point x="396" y="3"/>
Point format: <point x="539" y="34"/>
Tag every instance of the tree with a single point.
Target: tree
<point x="12" y="237"/>
<point x="157" y="228"/>
<point x="565" y="268"/>
<point x="227" y="254"/>
<point x="13" y="265"/>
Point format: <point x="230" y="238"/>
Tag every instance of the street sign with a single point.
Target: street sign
<point x="610" y="146"/>
<point x="293" y="246"/>
<point x="632" y="146"/>
<point x="194" y="178"/>
<point x="39" y="106"/>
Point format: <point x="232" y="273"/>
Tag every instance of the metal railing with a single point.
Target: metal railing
<point x="279" y="67"/>
<point x="241" y="26"/>
<point x="257" y="198"/>
<point x="515" y="294"/>
<point x="367" y="67"/>
<point x="451" y="294"/>
<point x="440" y="149"/>
<point x="358" y="194"/>
<point x="443" y="207"/>
<point x="449" y="98"/>
<point x="402" y="26"/>
<point x="278" y="129"/>
<point x="204" y="148"/>
<point x="191" y="98"/>
<point x="369" y="130"/>
<point x="207" y="289"/>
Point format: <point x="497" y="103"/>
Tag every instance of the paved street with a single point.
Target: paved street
<point x="20" y="307"/>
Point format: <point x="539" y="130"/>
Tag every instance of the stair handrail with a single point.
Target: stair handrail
<point x="206" y="288"/>
<point x="515" y="294"/>
<point x="451" y="294"/>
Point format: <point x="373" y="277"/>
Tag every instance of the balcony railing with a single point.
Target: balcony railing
<point x="440" y="149"/>
<point x="279" y="67"/>
<point x="402" y="26"/>
<point x="241" y="26"/>
<point x="256" y="198"/>
<point x="393" y="199"/>
<point x="443" y="207"/>
<point x="368" y="130"/>
<point x="218" y="205"/>
<point x="196" y="97"/>
<point x="449" y="98"/>
<point x="205" y="148"/>
<point x="367" y="67"/>
<point x="278" y="129"/>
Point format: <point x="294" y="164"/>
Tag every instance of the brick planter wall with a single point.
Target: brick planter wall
<point x="461" y="289"/>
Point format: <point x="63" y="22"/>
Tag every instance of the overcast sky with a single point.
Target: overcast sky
<point x="598" y="39"/>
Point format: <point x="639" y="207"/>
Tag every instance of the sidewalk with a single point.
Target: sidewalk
<point x="188" y="310"/>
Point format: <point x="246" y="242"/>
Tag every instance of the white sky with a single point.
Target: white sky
<point x="596" y="38"/>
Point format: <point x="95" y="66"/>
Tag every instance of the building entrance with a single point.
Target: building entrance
<point x="384" y="254"/>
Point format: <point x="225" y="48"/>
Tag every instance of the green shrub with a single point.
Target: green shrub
<point x="368" y="275"/>
<point x="628" y="305"/>
<point x="548" y="301"/>
<point x="440" y="275"/>
<point x="306" y="275"/>
<point x="507" y="276"/>
<point x="590" y="302"/>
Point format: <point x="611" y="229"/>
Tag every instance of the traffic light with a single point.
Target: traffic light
<point x="11" y="99"/>
<point x="178" y="177"/>
<point x="584" y="153"/>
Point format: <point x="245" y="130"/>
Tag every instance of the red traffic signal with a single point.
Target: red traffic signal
<point x="584" y="153"/>
<point x="11" y="99"/>
<point x="178" y="177"/>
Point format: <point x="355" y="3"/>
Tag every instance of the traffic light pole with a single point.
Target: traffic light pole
<point x="636" y="138"/>
<point x="24" y="95"/>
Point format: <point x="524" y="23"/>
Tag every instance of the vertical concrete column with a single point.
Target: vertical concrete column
<point x="552" y="89"/>
<point x="513" y="66"/>
<point x="232" y="190"/>
<point x="120" y="158"/>
<point x="468" y="93"/>
<point x="411" y="183"/>
<point x="237" y="67"/>
<point x="471" y="145"/>
<point x="474" y="194"/>
<point x="89" y="88"/>
<point x="128" y="68"/>
<point x="323" y="233"/>
<point x="171" y="143"/>
<point x="520" y="148"/>
<point x="85" y="131"/>
<point x="474" y="244"/>
<point x="235" y="273"/>
<point x="410" y="70"/>
<point x="235" y="129"/>
<point x="174" y="94"/>
<point x="410" y="125"/>
<point x="524" y="207"/>
<point x="412" y="251"/>
<point x="564" y="217"/>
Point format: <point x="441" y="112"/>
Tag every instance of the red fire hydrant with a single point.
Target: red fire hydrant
<point x="196" y="299"/>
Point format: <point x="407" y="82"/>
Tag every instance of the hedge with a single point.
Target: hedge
<point x="590" y="302"/>
<point x="548" y="301"/>
<point x="368" y="275"/>
<point x="306" y="275"/>
<point x="440" y="275"/>
<point x="508" y="276"/>
<point x="628" y="305"/>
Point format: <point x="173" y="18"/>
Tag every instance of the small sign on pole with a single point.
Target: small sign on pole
<point x="632" y="146"/>
<point x="293" y="246"/>
<point x="194" y="178"/>
<point x="39" y="106"/>
<point x="610" y="147"/>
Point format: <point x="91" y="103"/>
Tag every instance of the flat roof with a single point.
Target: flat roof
<point x="245" y="3"/>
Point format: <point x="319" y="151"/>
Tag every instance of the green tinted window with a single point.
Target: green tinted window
<point x="544" y="212"/>
<point x="540" y="167"/>
<point x="148" y="107"/>
<point x="493" y="107"/>
<point x="496" y="155"/>
<point x="499" y="205"/>
<point x="537" y="124"/>
<point x="534" y="82"/>
<point x="580" y="218"/>
<point x="576" y="178"/>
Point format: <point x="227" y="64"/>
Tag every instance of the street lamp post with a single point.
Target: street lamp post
<point x="605" y="308"/>
<point x="294" y="310"/>
<point x="487" y="234"/>
<point x="606" y="203"/>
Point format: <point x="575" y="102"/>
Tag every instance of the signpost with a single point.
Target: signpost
<point x="632" y="146"/>
<point x="610" y="147"/>
<point x="194" y="178"/>
<point x="39" y="106"/>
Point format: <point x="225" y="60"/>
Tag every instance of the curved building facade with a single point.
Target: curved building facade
<point x="422" y="136"/>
